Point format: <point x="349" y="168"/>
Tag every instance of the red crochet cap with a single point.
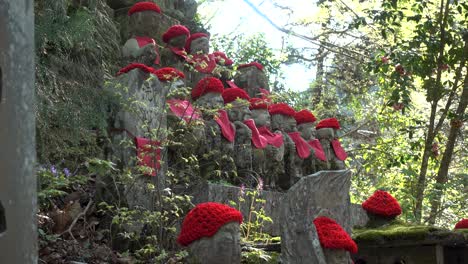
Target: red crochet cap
<point x="169" y="74"/>
<point x="207" y="85"/>
<point x="256" y="64"/>
<point x="175" y="31"/>
<point x="383" y="204"/>
<point x="328" y="123"/>
<point x="135" y="66"/>
<point x="231" y="94"/>
<point x="281" y="108"/>
<point x="144" y="6"/>
<point x="222" y="59"/>
<point x="304" y="116"/>
<point x="333" y="236"/>
<point x="462" y="224"/>
<point x="205" y="220"/>
<point x="259" y="103"/>
<point x="193" y="37"/>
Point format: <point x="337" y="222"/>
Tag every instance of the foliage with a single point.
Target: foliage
<point x="259" y="256"/>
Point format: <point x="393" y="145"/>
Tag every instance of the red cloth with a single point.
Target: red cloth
<point x="222" y="59"/>
<point x="232" y="84"/>
<point x="228" y="131"/>
<point x="143" y="41"/>
<point x="255" y="64"/>
<point x="328" y="123"/>
<point x="204" y="63"/>
<point x="259" y="103"/>
<point x="175" y="31"/>
<point x="133" y="66"/>
<point x="169" y="74"/>
<point x="281" y="108"/>
<point x="273" y="139"/>
<point x="339" y="151"/>
<point x="183" y="109"/>
<point x="230" y="95"/>
<point x="179" y="52"/>
<point x="265" y="93"/>
<point x="462" y="224"/>
<point x="207" y="85"/>
<point x="302" y="148"/>
<point x="144" y="6"/>
<point x="333" y="236"/>
<point x="205" y="220"/>
<point x="192" y="37"/>
<point x="317" y="147"/>
<point x="383" y="204"/>
<point x="149" y="154"/>
<point x="304" y="116"/>
<point x="259" y="141"/>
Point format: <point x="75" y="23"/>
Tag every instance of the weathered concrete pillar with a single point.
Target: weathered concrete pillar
<point x="18" y="237"/>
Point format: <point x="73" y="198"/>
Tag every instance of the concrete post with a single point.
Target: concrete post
<point x="18" y="236"/>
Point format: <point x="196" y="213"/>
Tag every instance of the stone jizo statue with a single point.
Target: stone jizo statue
<point x="211" y="231"/>
<point x="327" y="134"/>
<point x="252" y="78"/>
<point x="144" y="19"/>
<point x="174" y="53"/>
<point x="306" y="126"/>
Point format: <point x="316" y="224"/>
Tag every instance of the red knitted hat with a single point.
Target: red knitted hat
<point x="193" y="37"/>
<point x="169" y="74"/>
<point x="328" y="123"/>
<point x="256" y="64"/>
<point x="462" y="224"/>
<point x="333" y="236"/>
<point x="135" y="66"/>
<point x="383" y="204"/>
<point x="221" y="58"/>
<point x="231" y="94"/>
<point x="259" y="103"/>
<point x="175" y="31"/>
<point x="144" y="6"/>
<point x="304" y="116"/>
<point x="207" y="85"/>
<point x="281" y="108"/>
<point x="205" y="220"/>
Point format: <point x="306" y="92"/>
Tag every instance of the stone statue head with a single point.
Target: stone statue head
<point x="306" y="124"/>
<point x="198" y="43"/>
<point x="282" y="118"/>
<point x="207" y="93"/>
<point x="251" y="77"/>
<point x="171" y="79"/>
<point x="211" y="232"/>
<point x="176" y="36"/>
<point x="259" y="110"/>
<point x="327" y="128"/>
<point x="145" y="19"/>
<point x="211" y="100"/>
<point x="237" y="101"/>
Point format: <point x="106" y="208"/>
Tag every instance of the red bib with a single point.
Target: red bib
<point x="258" y="140"/>
<point x="228" y="131"/>
<point x="317" y="147"/>
<point x="302" y="148"/>
<point x="204" y="63"/>
<point x="339" y="151"/>
<point x="179" y="52"/>
<point x="149" y="154"/>
<point x="273" y="139"/>
<point x="143" y="41"/>
<point x="183" y="109"/>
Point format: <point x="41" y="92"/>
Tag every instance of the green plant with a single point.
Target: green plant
<point x="259" y="256"/>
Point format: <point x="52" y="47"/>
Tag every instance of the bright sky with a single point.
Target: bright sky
<point x="236" y="16"/>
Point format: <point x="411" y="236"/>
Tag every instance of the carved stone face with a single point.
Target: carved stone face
<point x="251" y="79"/>
<point x="200" y="45"/>
<point x="239" y="111"/>
<point x="307" y="130"/>
<point x="283" y="123"/>
<point x="325" y="133"/>
<point x="178" y="41"/>
<point x="223" y="247"/>
<point x="145" y="23"/>
<point x="209" y="101"/>
<point x="261" y="117"/>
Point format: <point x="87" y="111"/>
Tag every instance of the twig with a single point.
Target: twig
<point x="83" y="213"/>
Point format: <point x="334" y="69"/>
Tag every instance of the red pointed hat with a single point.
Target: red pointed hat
<point x="207" y="85"/>
<point x="259" y="103"/>
<point x="205" y="220"/>
<point x="144" y="6"/>
<point x="222" y="59"/>
<point x="462" y="224"/>
<point x="193" y="37"/>
<point x="132" y="66"/>
<point x="175" y="31"/>
<point x="333" y="236"/>
<point x="328" y="123"/>
<point x="383" y="204"/>
<point x="231" y="94"/>
<point x="254" y="63"/>
<point x="281" y="108"/>
<point x="304" y="116"/>
<point x="169" y="74"/>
